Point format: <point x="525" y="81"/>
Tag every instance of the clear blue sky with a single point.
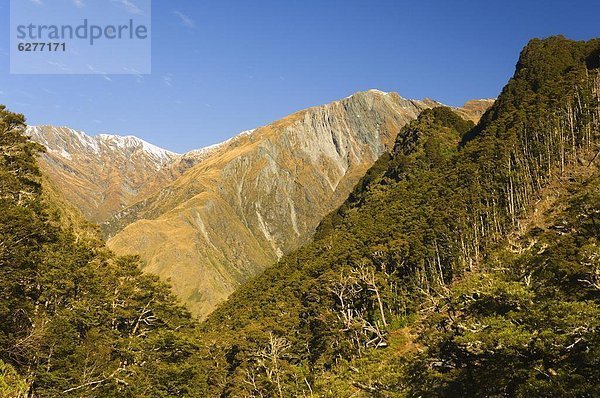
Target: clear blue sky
<point x="220" y="67"/>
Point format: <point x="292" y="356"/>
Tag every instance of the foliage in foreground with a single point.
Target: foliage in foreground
<point x="74" y="319"/>
<point x="530" y="324"/>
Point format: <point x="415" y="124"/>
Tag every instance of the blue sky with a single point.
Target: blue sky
<point x="220" y="67"/>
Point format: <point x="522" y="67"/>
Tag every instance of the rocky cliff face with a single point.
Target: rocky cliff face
<point x="259" y="196"/>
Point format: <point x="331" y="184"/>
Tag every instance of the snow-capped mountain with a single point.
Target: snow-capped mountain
<point x="129" y="142"/>
<point x="60" y="140"/>
<point x="104" y="173"/>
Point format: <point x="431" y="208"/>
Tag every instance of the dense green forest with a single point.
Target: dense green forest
<point x="464" y="264"/>
<point x="74" y="319"/>
<point x="413" y="287"/>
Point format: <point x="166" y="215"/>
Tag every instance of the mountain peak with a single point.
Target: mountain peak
<point x="269" y="188"/>
<point x="102" y="174"/>
<point x="370" y="92"/>
<point x="64" y="140"/>
<point x="133" y="142"/>
<point x="376" y="91"/>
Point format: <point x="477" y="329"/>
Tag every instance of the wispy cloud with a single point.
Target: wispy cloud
<point x="86" y="97"/>
<point x="103" y="74"/>
<point x="129" y="6"/>
<point x="38" y="2"/>
<point x="139" y="78"/>
<point x="1" y="92"/>
<point x="168" y="79"/>
<point x="59" y="65"/>
<point x="78" y="3"/>
<point x="185" y="20"/>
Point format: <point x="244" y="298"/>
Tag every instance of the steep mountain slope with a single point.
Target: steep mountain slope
<point x="165" y="199"/>
<point x="260" y="195"/>
<point x="101" y="175"/>
<point x="528" y="323"/>
<point x="416" y="244"/>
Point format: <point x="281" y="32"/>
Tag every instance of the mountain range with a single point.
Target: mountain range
<point x="416" y="250"/>
<point x="208" y="220"/>
<point x="102" y="174"/>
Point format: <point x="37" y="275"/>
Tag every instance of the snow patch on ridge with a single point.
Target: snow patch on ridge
<point x="207" y="150"/>
<point x="58" y="140"/>
<point x="132" y="142"/>
<point x="372" y="91"/>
